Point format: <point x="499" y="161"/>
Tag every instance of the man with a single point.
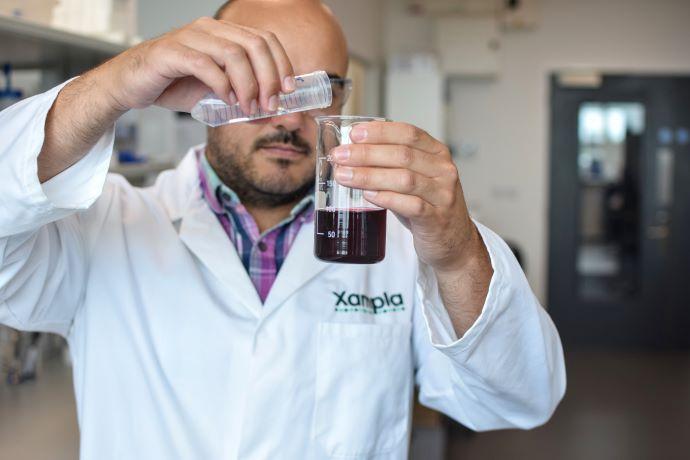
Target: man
<point x="200" y="324"/>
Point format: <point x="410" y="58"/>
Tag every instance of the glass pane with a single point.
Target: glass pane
<point x="609" y="156"/>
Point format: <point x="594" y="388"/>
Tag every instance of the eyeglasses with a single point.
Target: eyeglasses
<point x="341" y="88"/>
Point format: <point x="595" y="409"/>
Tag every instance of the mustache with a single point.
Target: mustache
<point x="282" y="137"/>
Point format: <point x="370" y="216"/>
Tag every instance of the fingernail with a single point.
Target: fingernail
<point x="232" y="97"/>
<point x="344" y="174"/>
<point x="341" y="153"/>
<point x="273" y="103"/>
<point x="370" y="193"/>
<point x="358" y="134"/>
<point x="253" y="107"/>
<point x="289" y="84"/>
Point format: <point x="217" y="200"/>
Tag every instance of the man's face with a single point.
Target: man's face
<point x="272" y="162"/>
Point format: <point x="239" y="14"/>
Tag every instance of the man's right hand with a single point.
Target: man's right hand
<point x="178" y="68"/>
<point x="175" y="70"/>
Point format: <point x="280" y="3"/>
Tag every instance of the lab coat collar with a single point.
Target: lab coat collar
<point x="200" y="230"/>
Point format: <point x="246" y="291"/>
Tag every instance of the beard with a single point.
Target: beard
<point x="238" y="171"/>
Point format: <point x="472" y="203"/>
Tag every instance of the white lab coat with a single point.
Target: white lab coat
<point x="175" y="357"/>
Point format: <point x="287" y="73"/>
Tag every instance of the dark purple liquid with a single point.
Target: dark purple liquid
<point x="351" y="236"/>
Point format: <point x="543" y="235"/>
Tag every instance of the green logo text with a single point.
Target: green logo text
<point x="385" y="303"/>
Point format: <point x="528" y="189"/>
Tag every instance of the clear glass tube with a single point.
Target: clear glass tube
<point x="312" y="91"/>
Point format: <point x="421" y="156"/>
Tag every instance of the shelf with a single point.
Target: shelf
<point x="27" y="44"/>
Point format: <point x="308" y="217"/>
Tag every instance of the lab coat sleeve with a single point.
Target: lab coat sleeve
<point x="42" y="252"/>
<point x="507" y="370"/>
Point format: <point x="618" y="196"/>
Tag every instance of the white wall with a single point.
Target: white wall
<point x="361" y="20"/>
<point x="507" y="181"/>
<point x="156" y="17"/>
<point x="404" y="32"/>
<point x="362" y="23"/>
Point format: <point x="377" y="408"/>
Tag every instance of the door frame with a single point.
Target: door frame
<point x="592" y="323"/>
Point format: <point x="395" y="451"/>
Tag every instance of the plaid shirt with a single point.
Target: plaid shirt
<point x="262" y="254"/>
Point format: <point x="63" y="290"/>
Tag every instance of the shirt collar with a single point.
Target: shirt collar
<point x="221" y="197"/>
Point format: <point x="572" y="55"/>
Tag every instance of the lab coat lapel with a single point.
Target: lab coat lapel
<point x="205" y="237"/>
<point x="300" y="266"/>
<point x="202" y="233"/>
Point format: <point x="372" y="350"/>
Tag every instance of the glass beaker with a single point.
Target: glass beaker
<point x="348" y="228"/>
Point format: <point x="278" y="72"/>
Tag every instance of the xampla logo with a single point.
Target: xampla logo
<point x="386" y="303"/>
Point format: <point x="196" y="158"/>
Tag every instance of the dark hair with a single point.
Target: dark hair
<point x="221" y="9"/>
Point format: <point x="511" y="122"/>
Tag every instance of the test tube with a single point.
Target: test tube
<point x="312" y="91"/>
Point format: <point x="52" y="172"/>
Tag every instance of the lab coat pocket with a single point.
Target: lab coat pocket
<point x="363" y="388"/>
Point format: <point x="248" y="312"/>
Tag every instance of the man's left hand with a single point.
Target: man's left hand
<point x="404" y="169"/>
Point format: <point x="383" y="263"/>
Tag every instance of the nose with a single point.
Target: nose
<point x="289" y="122"/>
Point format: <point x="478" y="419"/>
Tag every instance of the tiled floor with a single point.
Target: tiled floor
<point x="624" y="406"/>
<point x="38" y="420"/>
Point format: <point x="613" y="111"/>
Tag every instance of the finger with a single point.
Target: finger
<point x="407" y="206"/>
<point x="389" y="156"/>
<point x="237" y="62"/>
<point x="232" y="58"/>
<point x="261" y="58"/>
<point x="281" y="59"/>
<point x="394" y="180"/>
<point x="388" y="132"/>
<point x="184" y="61"/>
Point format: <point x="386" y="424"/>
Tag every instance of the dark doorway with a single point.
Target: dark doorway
<point x="619" y="245"/>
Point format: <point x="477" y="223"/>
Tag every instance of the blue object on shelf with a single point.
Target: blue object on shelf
<point x="126" y="156"/>
<point x="9" y="95"/>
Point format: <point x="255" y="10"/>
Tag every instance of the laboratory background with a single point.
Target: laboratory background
<point x="570" y="125"/>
